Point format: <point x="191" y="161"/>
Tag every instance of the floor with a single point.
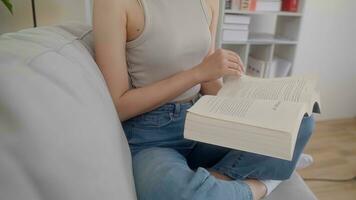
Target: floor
<point x="333" y="147"/>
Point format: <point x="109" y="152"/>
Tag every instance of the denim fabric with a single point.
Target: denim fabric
<point x="162" y="127"/>
<point x="167" y="166"/>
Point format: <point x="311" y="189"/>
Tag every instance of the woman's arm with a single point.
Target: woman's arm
<point x="110" y="21"/>
<point x="212" y="87"/>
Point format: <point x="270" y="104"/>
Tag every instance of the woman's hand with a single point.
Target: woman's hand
<point x="222" y="62"/>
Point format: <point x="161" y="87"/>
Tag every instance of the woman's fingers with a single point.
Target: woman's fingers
<point x="233" y="57"/>
<point x="233" y="69"/>
<point x="230" y="71"/>
<point x="241" y="64"/>
<point x="235" y="65"/>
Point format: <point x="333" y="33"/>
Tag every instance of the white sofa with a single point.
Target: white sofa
<point x="60" y="137"/>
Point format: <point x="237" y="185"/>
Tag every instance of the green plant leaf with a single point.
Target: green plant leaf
<point x="8" y="5"/>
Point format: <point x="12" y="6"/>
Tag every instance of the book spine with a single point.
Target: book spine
<point x="248" y="5"/>
<point x="228" y="4"/>
<point x="235" y="4"/>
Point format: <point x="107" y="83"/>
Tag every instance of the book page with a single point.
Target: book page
<point x="271" y="114"/>
<point x="293" y="89"/>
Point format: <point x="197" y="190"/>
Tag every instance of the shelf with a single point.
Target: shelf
<point x="271" y="35"/>
<point x="262" y="39"/>
<point x="257" y="42"/>
<point x="281" y="13"/>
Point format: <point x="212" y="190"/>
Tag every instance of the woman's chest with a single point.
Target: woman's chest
<point x="136" y="22"/>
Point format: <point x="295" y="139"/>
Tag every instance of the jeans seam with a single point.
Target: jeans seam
<point x="230" y="172"/>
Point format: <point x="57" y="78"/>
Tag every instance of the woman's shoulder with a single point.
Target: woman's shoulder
<point x="213" y="5"/>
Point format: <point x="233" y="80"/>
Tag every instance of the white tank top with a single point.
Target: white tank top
<point x="176" y="37"/>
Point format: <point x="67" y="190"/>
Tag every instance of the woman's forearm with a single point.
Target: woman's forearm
<point x="133" y="102"/>
<point x="141" y="100"/>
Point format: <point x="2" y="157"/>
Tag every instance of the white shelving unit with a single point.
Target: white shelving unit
<point x="277" y="35"/>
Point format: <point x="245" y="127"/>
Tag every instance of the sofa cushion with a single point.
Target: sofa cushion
<point x="60" y="137"/>
<point x="83" y="33"/>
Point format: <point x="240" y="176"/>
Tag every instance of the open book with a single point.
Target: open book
<point x="255" y="115"/>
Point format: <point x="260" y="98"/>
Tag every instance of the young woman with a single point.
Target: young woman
<point x="156" y="57"/>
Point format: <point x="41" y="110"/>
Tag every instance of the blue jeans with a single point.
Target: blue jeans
<point x="168" y="167"/>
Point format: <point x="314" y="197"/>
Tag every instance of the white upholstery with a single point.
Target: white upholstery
<point x="60" y="137"/>
<point x="292" y="189"/>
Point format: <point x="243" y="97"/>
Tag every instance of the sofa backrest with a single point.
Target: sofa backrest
<point x="60" y="136"/>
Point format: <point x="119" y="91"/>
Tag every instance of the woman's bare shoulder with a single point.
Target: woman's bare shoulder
<point x="214" y="5"/>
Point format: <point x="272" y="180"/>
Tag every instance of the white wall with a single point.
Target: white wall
<point x="59" y="11"/>
<point x="48" y="12"/>
<point x="328" y="47"/>
<point x="21" y="19"/>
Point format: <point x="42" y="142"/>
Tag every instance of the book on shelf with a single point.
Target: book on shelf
<point x="255" y="67"/>
<point x="290" y="5"/>
<point x="261" y="5"/>
<point x="228" y="4"/>
<point x="235" y="4"/>
<point x="255" y="115"/>
<point x="248" y="5"/>
<point x="268" y="5"/>
<point x="279" y="67"/>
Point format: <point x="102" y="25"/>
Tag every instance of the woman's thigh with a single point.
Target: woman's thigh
<point x="206" y="155"/>
<point x="162" y="127"/>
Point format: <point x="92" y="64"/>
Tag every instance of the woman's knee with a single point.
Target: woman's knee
<point x="305" y="131"/>
<point x="285" y="172"/>
<point x="308" y="123"/>
<point x="148" y="161"/>
<point x="154" y="168"/>
<point x="306" y="128"/>
<point x="162" y="174"/>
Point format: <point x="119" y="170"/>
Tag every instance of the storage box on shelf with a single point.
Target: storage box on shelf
<point x="235" y="28"/>
<point x="273" y="37"/>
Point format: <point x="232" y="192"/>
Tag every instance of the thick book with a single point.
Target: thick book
<point x="255" y="115"/>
